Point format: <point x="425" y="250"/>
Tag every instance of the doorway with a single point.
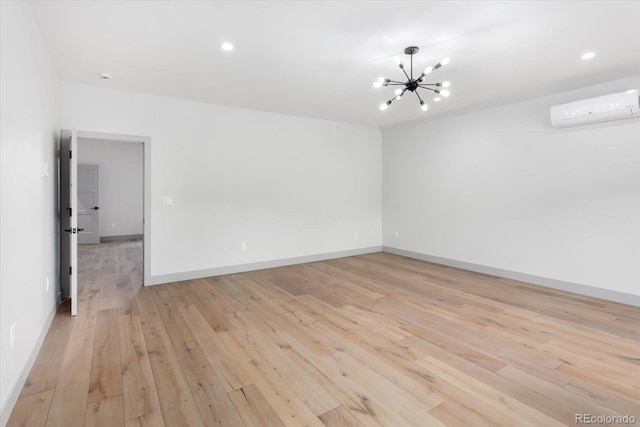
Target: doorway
<point x="111" y="220"/>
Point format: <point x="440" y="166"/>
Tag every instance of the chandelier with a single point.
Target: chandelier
<point x="413" y="84"/>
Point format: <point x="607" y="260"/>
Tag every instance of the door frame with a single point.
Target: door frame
<point x="146" y="178"/>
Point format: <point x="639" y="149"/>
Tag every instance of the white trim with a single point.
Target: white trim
<point x="14" y="394"/>
<point x="616" y="296"/>
<point x="241" y="268"/>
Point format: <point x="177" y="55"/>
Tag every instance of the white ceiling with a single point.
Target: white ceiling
<point x="319" y="59"/>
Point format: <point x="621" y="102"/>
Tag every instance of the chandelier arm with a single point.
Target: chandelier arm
<point x="428" y="88"/>
<point x="405" y="73"/>
<point x="397" y="84"/>
<point x="418" y="95"/>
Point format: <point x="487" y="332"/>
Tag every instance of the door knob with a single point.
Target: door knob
<point x="80" y="229"/>
<point x="96" y="208"/>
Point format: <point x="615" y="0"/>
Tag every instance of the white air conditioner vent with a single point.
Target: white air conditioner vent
<point x="616" y="106"/>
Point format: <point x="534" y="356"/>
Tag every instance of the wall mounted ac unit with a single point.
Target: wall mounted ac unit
<point x="616" y="106"/>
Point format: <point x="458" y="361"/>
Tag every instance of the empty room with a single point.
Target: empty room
<point x="319" y="213"/>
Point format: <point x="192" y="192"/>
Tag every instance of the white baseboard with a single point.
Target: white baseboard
<point x="241" y="268"/>
<point x="123" y="237"/>
<point x="562" y="285"/>
<point x="14" y="394"/>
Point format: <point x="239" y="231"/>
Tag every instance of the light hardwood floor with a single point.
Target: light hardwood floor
<point x="372" y="340"/>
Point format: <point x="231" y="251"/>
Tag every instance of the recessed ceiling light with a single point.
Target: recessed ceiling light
<point x="632" y="90"/>
<point x="437" y="99"/>
<point x="226" y="46"/>
<point x="588" y="55"/>
<point x="105" y="76"/>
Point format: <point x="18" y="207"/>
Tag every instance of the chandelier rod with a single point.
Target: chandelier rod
<point x="411" y="66"/>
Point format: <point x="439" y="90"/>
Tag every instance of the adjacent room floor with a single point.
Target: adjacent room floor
<point x="372" y="340"/>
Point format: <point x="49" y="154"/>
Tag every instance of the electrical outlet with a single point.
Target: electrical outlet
<point x="13" y="334"/>
<point x="47" y="283"/>
<point x="396" y="234"/>
<point x="243" y="247"/>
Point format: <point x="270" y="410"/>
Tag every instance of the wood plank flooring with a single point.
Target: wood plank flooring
<point x="372" y="340"/>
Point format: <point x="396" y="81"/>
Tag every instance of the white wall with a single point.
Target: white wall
<point x="28" y="218"/>
<point x="286" y="186"/>
<point x="121" y="183"/>
<point x="501" y="188"/>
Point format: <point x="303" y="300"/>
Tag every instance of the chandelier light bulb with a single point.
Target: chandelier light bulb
<point x="397" y="60"/>
<point x="446" y="84"/>
<point x="437" y="99"/>
<point x="445" y="61"/>
<point x="384" y="106"/>
<point x="445" y="92"/>
<point x="377" y="84"/>
<point x="428" y="70"/>
<point x="398" y="91"/>
<point x="381" y="79"/>
<point x="399" y="96"/>
<point x="424" y="106"/>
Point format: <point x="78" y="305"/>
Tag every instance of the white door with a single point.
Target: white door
<point x="69" y="217"/>
<point x="88" y="204"/>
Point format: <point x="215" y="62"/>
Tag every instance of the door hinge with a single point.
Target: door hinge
<point x="70" y="270"/>
<point x="70" y="211"/>
<point x="70" y="153"/>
